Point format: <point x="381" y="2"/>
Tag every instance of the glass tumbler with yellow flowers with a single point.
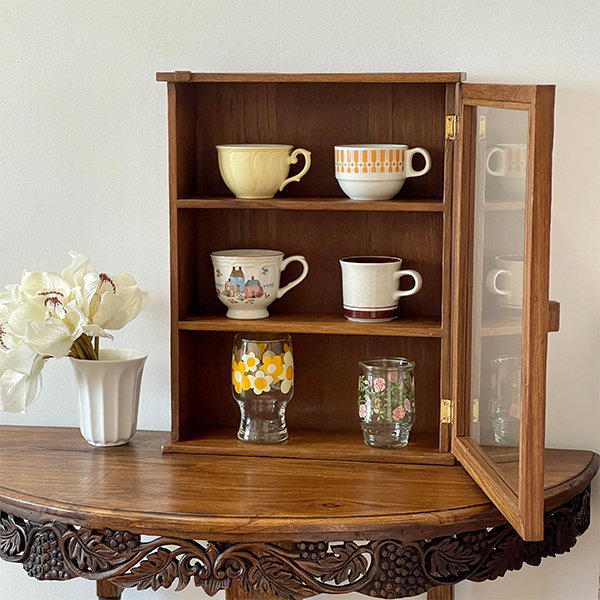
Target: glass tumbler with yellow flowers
<point x="262" y="379"/>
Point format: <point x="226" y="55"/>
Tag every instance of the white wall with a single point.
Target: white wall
<point x="84" y="166"/>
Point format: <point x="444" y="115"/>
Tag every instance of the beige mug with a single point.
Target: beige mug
<point x="259" y="170"/>
<point x="370" y="287"/>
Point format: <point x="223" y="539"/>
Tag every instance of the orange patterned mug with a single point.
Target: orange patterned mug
<point x="376" y="171"/>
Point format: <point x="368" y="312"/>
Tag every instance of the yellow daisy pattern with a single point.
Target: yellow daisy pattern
<point x="261" y="382"/>
<point x="273" y="365"/>
<point x="250" y="361"/>
<point x="287" y="374"/>
<point x="258" y="375"/>
<point x="239" y="380"/>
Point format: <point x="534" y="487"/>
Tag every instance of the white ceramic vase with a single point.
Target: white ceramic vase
<point x="109" y="393"/>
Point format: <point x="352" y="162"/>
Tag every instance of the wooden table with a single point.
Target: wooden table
<point x="275" y="527"/>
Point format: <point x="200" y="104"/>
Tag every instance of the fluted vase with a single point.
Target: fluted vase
<point x="109" y="393"/>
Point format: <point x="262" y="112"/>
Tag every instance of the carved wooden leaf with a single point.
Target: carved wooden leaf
<point x="274" y="578"/>
<point x="10" y="539"/>
<point x="213" y="585"/>
<point x="90" y="553"/>
<point x="452" y="558"/>
<point x="157" y="570"/>
<point x="347" y="563"/>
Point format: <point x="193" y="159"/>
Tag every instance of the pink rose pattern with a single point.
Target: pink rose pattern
<point x="398" y="413"/>
<point x="379" y="384"/>
<point x="374" y="396"/>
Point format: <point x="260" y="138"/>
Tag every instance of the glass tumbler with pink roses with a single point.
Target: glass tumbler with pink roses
<point x="386" y="401"/>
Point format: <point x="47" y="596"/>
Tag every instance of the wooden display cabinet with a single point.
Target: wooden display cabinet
<point x="425" y="225"/>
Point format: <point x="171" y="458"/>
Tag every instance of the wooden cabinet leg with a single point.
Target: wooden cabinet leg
<point x="107" y="591"/>
<point x="441" y="592"/>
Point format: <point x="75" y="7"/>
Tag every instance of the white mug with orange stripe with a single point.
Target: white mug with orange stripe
<point x="376" y="171"/>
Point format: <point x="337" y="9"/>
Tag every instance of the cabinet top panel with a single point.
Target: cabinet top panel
<point x="189" y="77"/>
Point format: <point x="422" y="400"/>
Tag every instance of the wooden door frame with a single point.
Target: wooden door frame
<point x="524" y="507"/>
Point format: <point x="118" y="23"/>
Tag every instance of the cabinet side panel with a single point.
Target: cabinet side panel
<point x="447" y="254"/>
<point x="182" y="158"/>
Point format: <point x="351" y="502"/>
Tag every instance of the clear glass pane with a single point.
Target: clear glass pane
<point x="497" y="310"/>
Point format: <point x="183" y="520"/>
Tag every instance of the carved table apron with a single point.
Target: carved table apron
<point x="130" y="517"/>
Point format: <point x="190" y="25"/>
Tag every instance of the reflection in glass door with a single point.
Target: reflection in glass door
<point x="497" y="309"/>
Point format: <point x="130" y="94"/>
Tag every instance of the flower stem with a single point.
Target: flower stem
<point x="82" y="348"/>
<point x="77" y="350"/>
<point x="88" y="347"/>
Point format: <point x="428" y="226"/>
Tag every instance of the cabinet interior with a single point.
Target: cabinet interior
<point x="312" y="218"/>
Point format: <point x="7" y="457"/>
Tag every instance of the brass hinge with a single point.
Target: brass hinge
<point x="475" y="410"/>
<point x="451" y="127"/>
<point x="446" y="411"/>
<point x="482" y="127"/>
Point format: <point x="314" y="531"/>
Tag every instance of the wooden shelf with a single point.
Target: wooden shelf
<point x="320" y="324"/>
<point x="498" y="327"/>
<point x="337" y="204"/>
<point x="316" y="444"/>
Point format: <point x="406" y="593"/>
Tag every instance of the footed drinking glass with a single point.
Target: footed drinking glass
<point x="262" y="378"/>
<point x="505" y="401"/>
<point x="386" y="401"/>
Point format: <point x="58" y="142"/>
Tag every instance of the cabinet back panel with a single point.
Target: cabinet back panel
<point x="323" y="238"/>
<point x="315" y="116"/>
<point x="326" y="376"/>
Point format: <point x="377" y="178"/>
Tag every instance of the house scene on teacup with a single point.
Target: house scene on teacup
<point x="238" y="287"/>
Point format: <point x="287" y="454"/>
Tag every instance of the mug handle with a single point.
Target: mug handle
<point x="292" y="160"/>
<point x="492" y="281"/>
<point x="501" y="170"/>
<point x="418" y="283"/>
<point x="410" y="172"/>
<point x="285" y="263"/>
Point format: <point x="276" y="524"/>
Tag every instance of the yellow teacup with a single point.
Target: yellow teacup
<point x="259" y="170"/>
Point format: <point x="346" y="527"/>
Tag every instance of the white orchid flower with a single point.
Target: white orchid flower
<point x="46" y="325"/>
<point x="108" y="301"/>
<point x="51" y="315"/>
<point x="20" y="378"/>
<point x="40" y="283"/>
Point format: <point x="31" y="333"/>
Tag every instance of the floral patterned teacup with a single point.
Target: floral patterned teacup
<point x="386" y="401"/>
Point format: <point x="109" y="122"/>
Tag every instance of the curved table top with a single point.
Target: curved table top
<point x="52" y="474"/>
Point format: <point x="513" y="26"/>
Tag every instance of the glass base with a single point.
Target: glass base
<point x="386" y="435"/>
<point x="262" y="421"/>
<point x="506" y="431"/>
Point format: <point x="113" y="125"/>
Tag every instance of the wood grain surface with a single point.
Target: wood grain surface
<point x="53" y="474"/>
<point x="187" y="76"/>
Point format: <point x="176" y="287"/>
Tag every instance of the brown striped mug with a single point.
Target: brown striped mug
<point x="376" y="171"/>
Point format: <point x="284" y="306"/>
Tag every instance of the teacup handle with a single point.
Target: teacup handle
<point x="501" y="170"/>
<point x="492" y="281"/>
<point x="292" y="160"/>
<point x="285" y="262"/>
<point x="410" y="172"/>
<point x="418" y="283"/>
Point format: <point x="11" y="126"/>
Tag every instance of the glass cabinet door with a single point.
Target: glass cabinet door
<point x="502" y="314"/>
